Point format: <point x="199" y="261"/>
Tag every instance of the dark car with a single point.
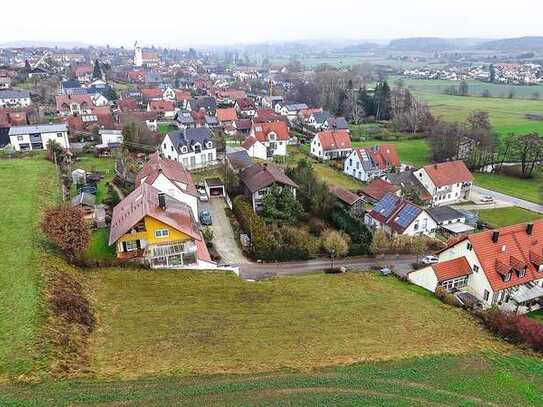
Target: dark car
<point x="88" y="188"/>
<point x="205" y="218"/>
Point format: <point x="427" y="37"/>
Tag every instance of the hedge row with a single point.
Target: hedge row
<point x="514" y="328"/>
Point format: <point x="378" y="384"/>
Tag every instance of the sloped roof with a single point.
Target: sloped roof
<point x="335" y="140"/>
<point x="143" y="201"/>
<point x="262" y="130"/>
<point x="227" y="114"/>
<point x="258" y="177"/>
<point x="171" y="169"/>
<point x="448" y="173"/>
<point x="249" y="142"/>
<point x="442" y="213"/>
<point x="161" y="105"/>
<point x="152" y="93"/>
<point x="447" y="270"/>
<point x="378" y="188"/>
<point x="239" y="160"/>
<point x="514" y="247"/>
<point x="396" y="212"/>
<point x="38" y="128"/>
<point x="344" y="195"/>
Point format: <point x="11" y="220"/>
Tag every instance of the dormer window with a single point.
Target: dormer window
<point x="521" y="273"/>
<point x="184" y="149"/>
<point x="209" y="144"/>
<point x="507" y="277"/>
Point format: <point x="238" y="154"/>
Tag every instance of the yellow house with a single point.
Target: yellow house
<point x="158" y="229"/>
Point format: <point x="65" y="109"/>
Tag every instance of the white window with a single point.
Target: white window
<point x="131" y="245"/>
<point x="476" y="268"/>
<point x="161" y="233"/>
<point x="19" y="138"/>
<point x="486" y="295"/>
<point x="59" y="134"/>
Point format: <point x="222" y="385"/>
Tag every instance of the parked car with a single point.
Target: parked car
<point x="486" y="199"/>
<point x="385" y="271"/>
<point x="430" y="260"/>
<point x="202" y="194"/>
<point x="88" y="188"/>
<point x="205" y="218"/>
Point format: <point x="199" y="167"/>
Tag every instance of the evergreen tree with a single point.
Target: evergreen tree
<point x="366" y="102"/>
<point x="97" y="74"/>
<point x="28" y="68"/>
<point x="492" y="77"/>
<point x="383" y="101"/>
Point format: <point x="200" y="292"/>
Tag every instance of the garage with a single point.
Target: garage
<point x="214" y="187"/>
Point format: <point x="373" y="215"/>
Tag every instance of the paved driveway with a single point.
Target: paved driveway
<point x="224" y="239"/>
<point x="511" y="200"/>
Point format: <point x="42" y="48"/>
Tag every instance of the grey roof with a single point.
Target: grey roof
<point x="39" y="128"/>
<point x="4" y="136"/>
<point x="189" y="137"/>
<point x="442" y="213"/>
<point x="14" y="94"/>
<point x="85" y="199"/>
<point x="321" y="117"/>
<point x="296" y="106"/>
<point x="185" y="117"/>
<point x="71" y="83"/>
<point x="212" y="120"/>
<point x="206" y="102"/>
<point x="239" y="160"/>
<point x="337" y="123"/>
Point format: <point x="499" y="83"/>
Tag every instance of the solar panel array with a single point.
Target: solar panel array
<point x="386" y="205"/>
<point x="407" y="215"/>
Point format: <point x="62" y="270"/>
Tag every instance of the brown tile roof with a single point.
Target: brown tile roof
<point x="258" y="177"/>
<point x="448" y="173"/>
<point x="171" y="169"/>
<point x="335" y="140"/>
<point x="450" y="269"/>
<point x="383" y="155"/>
<point x="161" y="106"/>
<point x="345" y="195"/>
<point x="142" y="202"/>
<point x="152" y="93"/>
<point x="249" y="142"/>
<point x="378" y="188"/>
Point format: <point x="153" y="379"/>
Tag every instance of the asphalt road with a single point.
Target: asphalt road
<point x="258" y="271"/>
<point x="498" y="196"/>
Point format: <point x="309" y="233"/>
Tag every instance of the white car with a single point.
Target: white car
<point x="486" y="199"/>
<point x="430" y="260"/>
<point x="202" y="194"/>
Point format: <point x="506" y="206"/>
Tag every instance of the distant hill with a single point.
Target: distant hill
<point x="43" y="44"/>
<point x="514" y="44"/>
<point x="360" y="47"/>
<point x="422" y="44"/>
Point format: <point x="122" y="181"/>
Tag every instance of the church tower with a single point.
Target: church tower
<point x="138" y="55"/>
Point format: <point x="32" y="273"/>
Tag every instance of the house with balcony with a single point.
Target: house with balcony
<point x="192" y="147"/>
<point x="257" y="180"/>
<point x="500" y="268"/>
<point x="331" y="145"/>
<point x="152" y="227"/>
<point x="372" y="162"/>
<point x="36" y="137"/>
<point x="267" y="140"/>
<point x="448" y="183"/>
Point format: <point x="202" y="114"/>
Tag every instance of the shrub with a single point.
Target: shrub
<point x="515" y="328"/>
<point x="69" y="302"/>
<point x="358" y="232"/>
<point x="316" y="226"/>
<point x="446" y="297"/>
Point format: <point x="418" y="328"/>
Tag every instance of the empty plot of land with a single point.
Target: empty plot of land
<point x="183" y="322"/>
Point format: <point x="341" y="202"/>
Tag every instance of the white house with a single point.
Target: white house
<point x="368" y="163"/>
<point x="26" y="138"/>
<point x="169" y="94"/>
<point x="110" y="137"/>
<point x="447" y="183"/>
<point x="291" y="110"/>
<point x="398" y="216"/>
<point x="169" y="177"/>
<point x="329" y="145"/>
<point x="14" y="98"/>
<point x="192" y="147"/>
<point x="267" y="140"/>
<point x="502" y="268"/>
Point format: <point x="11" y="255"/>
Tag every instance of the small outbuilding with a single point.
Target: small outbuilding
<point x="214" y="187"/>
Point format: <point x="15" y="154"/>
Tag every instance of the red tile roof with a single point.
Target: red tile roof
<point x="246" y="104"/>
<point x="227" y="115"/>
<point x="344" y="195"/>
<point x="335" y="140"/>
<point x="161" y="106"/>
<point x="262" y="131"/>
<point x="383" y="155"/>
<point x="450" y="269"/>
<point x="514" y="249"/>
<point x="128" y="105"/>
<point x="233" y="94"/>
<point x="378" y="188"/>
<point x="152" y="93"/>
<point x="173" y="170"/>
<point x="249" y="142"/>
<point x="182" y="95"/>
<point x="448" y="173"/>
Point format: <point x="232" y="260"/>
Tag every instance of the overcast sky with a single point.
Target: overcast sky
<point x="183" y="23"/>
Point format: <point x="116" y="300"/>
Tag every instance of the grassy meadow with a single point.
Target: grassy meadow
<point x="28" y="185"/>
<point x="466" y="380"/>
<point x="527" y="189"/>
<point x="500" y="217"/>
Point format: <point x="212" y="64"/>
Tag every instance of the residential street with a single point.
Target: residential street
<point x="256" y="271"/>
<point x="498" y="196"/>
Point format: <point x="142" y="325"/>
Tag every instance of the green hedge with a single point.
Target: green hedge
<point x="358" y="232"/>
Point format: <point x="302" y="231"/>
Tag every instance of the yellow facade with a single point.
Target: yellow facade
<point x="151" y="226"/>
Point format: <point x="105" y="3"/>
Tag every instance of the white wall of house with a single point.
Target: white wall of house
<point x="316" y="148"/>
<point x="425" y="278"/>
<point x="353" y="167"/>
<point x="60" y="138"/>
<point x="112" y="137"/>
<point x="258" y="150"/>
<point x="176" y="190"/>
<point x="445" y="195"/>
<point x="16" y="102"/>
<point x="188" y="157"/>
<point x="423" y="224"/>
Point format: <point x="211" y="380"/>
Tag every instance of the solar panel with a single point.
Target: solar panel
<point x="407" y="215"/>
<point x="386" y="205"/>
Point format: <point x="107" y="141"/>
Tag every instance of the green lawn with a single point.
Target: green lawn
<point x="106" y="165"/>
<point x="507" y="216"/>
<point x="415" y="152"/>
<point x="527" y="189"/>
<point x="27" y="185"/>
<point x="538" y="315"/>
<point x="165" y="128"/>
<point x="99" y="248"/>
<point x="178" y="322"/>
<point x="506" y="115"/>
<point x="469" y="380"/>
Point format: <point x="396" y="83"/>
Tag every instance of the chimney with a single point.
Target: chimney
<point x="162" y="200"/>
<point x="529" y="228"/>
<point x="495" y="236"/>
